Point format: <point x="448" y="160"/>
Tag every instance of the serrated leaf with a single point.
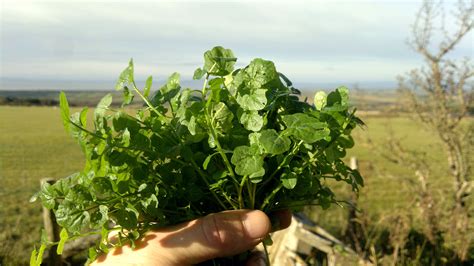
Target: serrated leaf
<point x="63" y="237"/>
<point x="274" y="143"/>
<point x="251" y="120"/>
<point x="305" y="127"/>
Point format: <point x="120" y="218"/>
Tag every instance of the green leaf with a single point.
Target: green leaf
<point x="36" y="257"/>
<point x="63" y="237"/>
<point x="289" y="180"/>
<point x="64" y="106"/>
<point x="198" y="74"/>
<point x="127" y="217"/>
<point x="219" y="61"/>
<point x="320" y="100"/>
<point x="274" y="143"/>
<point x="48" y="195"/>
<point x="251" y="120"/>
<point x="100" y="216"/>
<point x="259" y="73"/>
<point x="338" y="99"/>
<point x="71" y="218"/>
<point x="192" y="125"/>
<point x="208" y="160"/>
<point x="102" y="106"/>
<point x="171" y="88"/>
<point x="221" y="117"/>
<point x="83" y="117"/>
<point x="148" y="83"/>
<point x="346" y="141"/>
<point x="246" y="161"/>
<point x="305" y="127"/>
<point x="33" y="255"/>
<point x="287" y="80"/>
<point x="254" y="139"/>
<point x="126" y="77"/>
<point x="254" y="102"/>
<point x="127" y="96"/>
<point x="92" y="254"/>
<point x="256" y="177"/>
<point x="344" y="95"/>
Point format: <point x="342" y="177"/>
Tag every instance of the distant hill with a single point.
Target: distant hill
<point x="50" y="98"/>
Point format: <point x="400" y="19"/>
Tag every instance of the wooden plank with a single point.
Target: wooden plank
<point x="52" y="229"/>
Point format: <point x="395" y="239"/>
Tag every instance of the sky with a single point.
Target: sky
<point x="312" y="42"/>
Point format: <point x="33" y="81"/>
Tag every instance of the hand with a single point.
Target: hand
<point x="216" y="235"/>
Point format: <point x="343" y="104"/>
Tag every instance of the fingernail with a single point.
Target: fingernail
<point x="256" y="224"/>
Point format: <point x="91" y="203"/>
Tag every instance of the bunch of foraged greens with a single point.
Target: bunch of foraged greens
<point x="244" y="140"/>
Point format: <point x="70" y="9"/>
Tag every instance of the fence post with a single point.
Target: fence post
<point x="52" y="229"/>
<point x="354" y="165"/>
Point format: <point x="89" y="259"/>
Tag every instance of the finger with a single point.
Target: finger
<point x="216" y="235"/>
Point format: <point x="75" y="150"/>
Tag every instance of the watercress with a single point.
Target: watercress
<point x="244" y="140"/>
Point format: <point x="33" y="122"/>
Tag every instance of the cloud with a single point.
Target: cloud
<point x="362" y="40"/>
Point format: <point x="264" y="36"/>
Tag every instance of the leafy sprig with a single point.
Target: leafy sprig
<point x="244" y="140"/>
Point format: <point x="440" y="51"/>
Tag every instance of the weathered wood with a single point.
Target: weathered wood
<point x="303" y="237"/>
<point x="52" y="230"/>
<point x="354" y="164"/>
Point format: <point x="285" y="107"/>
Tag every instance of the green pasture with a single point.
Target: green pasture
<point x="34" y="145"/>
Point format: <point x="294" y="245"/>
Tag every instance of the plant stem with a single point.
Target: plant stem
<point x="204" y="178"/>
<point x="145" y="99"/>
<point x="283" y="163"/>
<point x="215" y="137"/>
<point x="267" y="257"/>
<point x="269" y="197"/>
<point x="241" y="187"/>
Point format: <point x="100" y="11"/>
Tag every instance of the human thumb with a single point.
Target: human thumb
<point x="216" y="235"/>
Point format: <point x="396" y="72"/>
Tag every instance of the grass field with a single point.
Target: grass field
<point x="34" y="145"/>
